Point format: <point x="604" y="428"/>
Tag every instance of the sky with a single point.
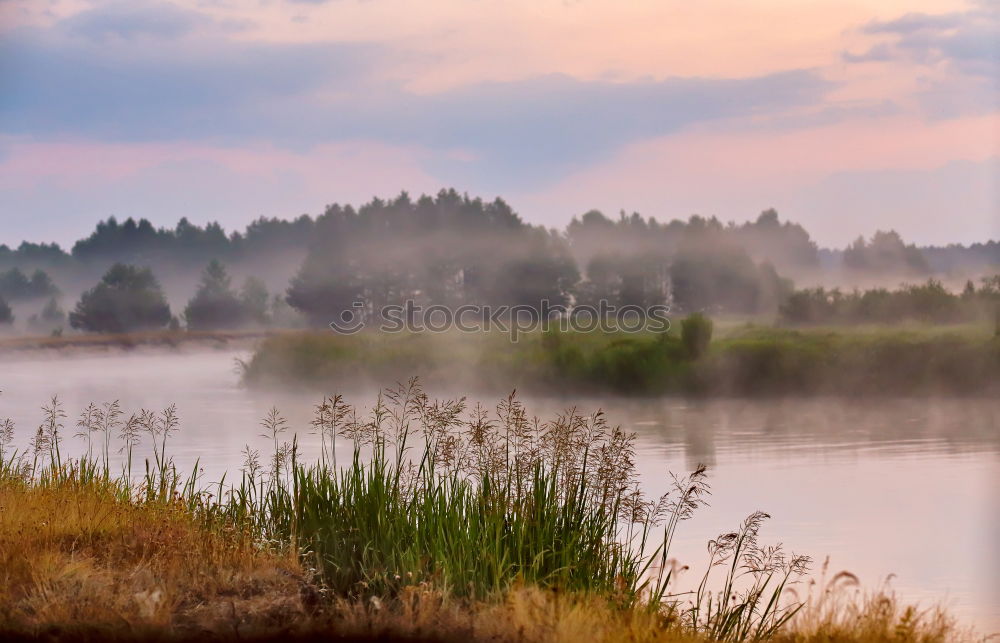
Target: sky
<point x="847" y="117"/>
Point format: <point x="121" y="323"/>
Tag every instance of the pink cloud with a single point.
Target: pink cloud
<point x="735" y="174"/>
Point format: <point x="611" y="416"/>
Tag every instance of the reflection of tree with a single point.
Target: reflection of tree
<point x="755" y="429"/>
<point x="699" y="439"/>
<point x="691" y="425"/>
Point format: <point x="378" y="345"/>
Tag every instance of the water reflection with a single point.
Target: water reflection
<point x="824" y="425"/>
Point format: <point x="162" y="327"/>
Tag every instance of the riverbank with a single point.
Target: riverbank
<point x="745" y="360"/>
<point x="159" y="339"/>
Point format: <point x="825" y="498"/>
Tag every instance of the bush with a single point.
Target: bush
<point x="696" y="334"/>
<point x="127" y="298"/>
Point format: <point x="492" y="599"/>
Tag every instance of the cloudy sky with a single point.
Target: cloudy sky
<point x="846" y="116"/>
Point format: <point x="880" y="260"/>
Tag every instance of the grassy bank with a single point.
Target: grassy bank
<point x="420" y="519"/>
<point x="125" y="341"/>
<point x="741" y="360"/>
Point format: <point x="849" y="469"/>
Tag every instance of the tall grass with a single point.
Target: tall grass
<point x="474" y="506"/>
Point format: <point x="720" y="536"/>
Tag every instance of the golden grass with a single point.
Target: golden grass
<point x="529" y="615"/>
<point x="77" y="558"/>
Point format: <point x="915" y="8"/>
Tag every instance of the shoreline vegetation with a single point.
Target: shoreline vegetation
<point x="741" y="360"/>
<point x="126" y="341"/>
<point x="420" y="520"/>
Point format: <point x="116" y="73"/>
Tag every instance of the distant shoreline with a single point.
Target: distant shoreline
<point x="744" y="361"/>
<point x="128" y="341"/>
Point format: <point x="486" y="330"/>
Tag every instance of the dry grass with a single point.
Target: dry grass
<point x="530" y="615"/>
<point x="77" y="558"/>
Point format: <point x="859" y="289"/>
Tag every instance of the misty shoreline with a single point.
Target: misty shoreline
<point x="748" y="361"/>
<point x="148" y="341"/>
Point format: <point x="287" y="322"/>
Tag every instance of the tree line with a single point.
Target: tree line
<point x="451" y="249"/>
<point x="786" y="245"/>
<point x="927" y="302"/>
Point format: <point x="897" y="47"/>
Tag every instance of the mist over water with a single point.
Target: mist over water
<point x="909" y="487"/>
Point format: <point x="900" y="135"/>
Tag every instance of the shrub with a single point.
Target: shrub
<point x="696" y="334"/>
<point x="127" y="298"/>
